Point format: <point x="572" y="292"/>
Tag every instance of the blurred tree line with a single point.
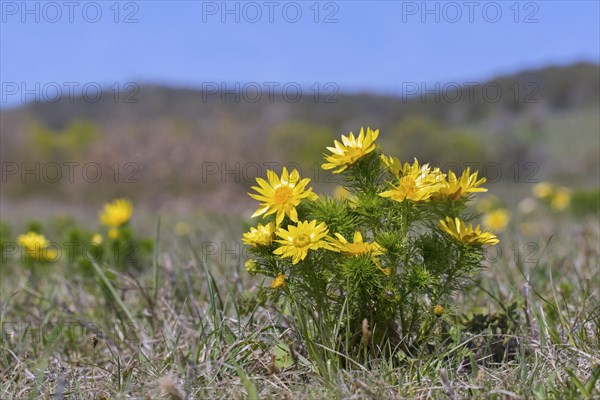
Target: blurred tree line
<point x="181" y="143"/>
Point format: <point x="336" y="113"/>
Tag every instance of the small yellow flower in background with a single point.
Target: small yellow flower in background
<point x="542" y="190"/>
<point x="183" y="228"/>
<point x="561" y="198"/>
<point x="33" y="241"/>
<point x="488" y="203"/>
<point x="297" y="240"/>
<point x="497" y="220"/>
<point x="262" y="235"/>
<point x="50" y="255"/>
<point x="438" y="310"/>
<point x="455" y="188"/>
<point x="340" y="192"/>
<point x="281" y="195"/>
<point x="116" y="213"/>
<point x="350" y="150"/>
<point x="36" y="247"/>
<point x="96" y="239"/>
<point x="558" y="196"/>
<point x="251" y="267"/>
<point x="466" y="234"/>
<point x="279" y="281"/>
<point x="113" y="233"/>
<point x="416" y="183"/>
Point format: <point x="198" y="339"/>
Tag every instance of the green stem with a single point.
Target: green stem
<point x="405" y="232"/>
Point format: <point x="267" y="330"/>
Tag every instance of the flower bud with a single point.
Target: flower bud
<point x="251" y="267"/>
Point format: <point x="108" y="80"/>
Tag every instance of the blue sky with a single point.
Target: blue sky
<point x="359" y="45"/>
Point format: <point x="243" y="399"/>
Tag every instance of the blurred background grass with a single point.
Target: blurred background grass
<point x="178" y="151"/>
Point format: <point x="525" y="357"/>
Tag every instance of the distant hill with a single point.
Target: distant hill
<point x="556" y="87"/>
<point x="172" y="137"/>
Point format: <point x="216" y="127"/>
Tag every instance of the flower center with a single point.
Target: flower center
<point x="302" y="240"/>
<point x="410" y="186"/>
<point x="283" y="194"/>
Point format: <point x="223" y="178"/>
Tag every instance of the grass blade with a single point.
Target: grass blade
<point x="155" y="261"/>
<point x="112" y="290"/>
<point x="248" y="384"/>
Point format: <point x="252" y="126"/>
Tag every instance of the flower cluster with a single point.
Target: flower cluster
<point x="558" y="197"/>
<point x="36" y="247"/>
<point x="389" y="246"/>
<point x="421" y="183"/>
<point x="75" y="245"/>
<point x="115" y="215"/>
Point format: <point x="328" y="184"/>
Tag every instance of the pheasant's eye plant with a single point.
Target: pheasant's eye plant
<point x="36" y="247"/>
<point x="374" y="268"/>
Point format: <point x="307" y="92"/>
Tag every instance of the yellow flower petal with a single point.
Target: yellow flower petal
<point x="281" y="196"/>
<point x="297" y="240"/>
<point x="466" y="234"/>
<point x="116" y="213"/>
<point x="345" y="154"/>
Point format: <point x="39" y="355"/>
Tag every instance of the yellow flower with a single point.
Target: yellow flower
<point x="416" y="183"/>
<point x="345" y="154"/>
<point x="96" y="239"/>
<point x="116" y="213"/>
<point x="262" y="235"/>
<point x="281" y="195"/>
<point x="438" y="310"/>
<point x="392" y="164"/>
<point x="279" y="281"/>
<point x="466" y="234"/>
<point x="340" y="192"/>
<point x="33" y="241"/>
<point x="455" y="188"/>
<point x="113" y="233"/>
<point x="297" y="240"/>
<point x="359" y="247"/>
<point x="497" y="220"/>
<point x="561" y="199"/>
<point x="542" y="190"/>
<point x="182" y="228"/>
<point x="487" y="203"/>
<point x="36" y="247"/>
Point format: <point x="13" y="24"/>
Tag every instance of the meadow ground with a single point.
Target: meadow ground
<point x="189" y="323"/>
